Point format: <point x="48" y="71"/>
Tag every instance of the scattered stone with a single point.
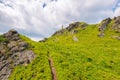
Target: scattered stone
<point x="75" y="39"/>
<point x="101" y="34"/>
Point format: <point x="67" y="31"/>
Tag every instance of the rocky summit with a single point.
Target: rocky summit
<point x="13" y="51"/>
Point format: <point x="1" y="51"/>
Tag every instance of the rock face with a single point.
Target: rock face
<point x="13" y="52"/>
<point x="116" y="25"/>
<point x="103" y="26"/>
<point x="12" y="35"/>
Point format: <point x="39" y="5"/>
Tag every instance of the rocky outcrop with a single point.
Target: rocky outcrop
<point x="103" y="26"/>
<point x="12" y="35"/>
<point x="76" y="25"/>
<point x="116" y="25"/>
<point x="71" y="28"/>
<point x="13" y="52"/>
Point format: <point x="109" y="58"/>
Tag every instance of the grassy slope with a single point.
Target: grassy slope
<point x="90" y="58"/>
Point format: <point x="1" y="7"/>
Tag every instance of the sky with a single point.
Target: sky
<point x="38" y="19"/>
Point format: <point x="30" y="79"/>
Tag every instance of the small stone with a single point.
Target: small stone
<point x="75" y="38"/>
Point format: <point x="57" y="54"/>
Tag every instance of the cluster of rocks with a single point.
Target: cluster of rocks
<point x="71" y="28"/>
<point x="12" y="53"/>
<point x="76" y="25"/>
<point x="115" y="25"/>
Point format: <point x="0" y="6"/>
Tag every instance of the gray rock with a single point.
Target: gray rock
<point x="116" y="25"/>
<point x="11" y="44"/>
<point x="104" y="24"/>
<point x="15" y="49"/>
<point x="12" y="35"/>
<point x="14" y="52"/>
<point x="71" y="27"/>
<point x="23" y="58"/>
<point x="117" y="19"/>
<point x="75" y="38"/>
<point x="23" y="44"/>
<point x="103" y="27"/>
<point x="76" y="25"/>
<point x="101" y="34"/>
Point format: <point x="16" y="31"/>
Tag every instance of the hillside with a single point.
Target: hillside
<point x="80" y="51"/>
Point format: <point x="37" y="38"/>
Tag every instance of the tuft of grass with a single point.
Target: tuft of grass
<point x="3" y="39"/>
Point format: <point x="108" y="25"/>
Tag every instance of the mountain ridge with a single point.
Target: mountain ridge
<point x="80" y="51"/>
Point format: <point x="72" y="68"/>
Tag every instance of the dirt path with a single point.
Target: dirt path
<point x="53" y="71"/>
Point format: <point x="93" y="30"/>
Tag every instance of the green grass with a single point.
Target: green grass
<point x="89" y="58"/>
<point x="2" y="39"/>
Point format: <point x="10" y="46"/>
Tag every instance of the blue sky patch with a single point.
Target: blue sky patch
<point x="116" y="5"/>
<point x="44" y="5"/>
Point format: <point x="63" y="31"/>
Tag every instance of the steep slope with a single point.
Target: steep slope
<point x="79" y="52"/>
<point x="13" y="51"/>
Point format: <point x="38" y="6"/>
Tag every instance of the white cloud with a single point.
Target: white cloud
<point x="117" y="12"/>
<point x="30" y="16"/>
<point x="117" y="9"/>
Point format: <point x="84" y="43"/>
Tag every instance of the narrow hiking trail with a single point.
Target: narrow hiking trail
<point x="52" y="68"/>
